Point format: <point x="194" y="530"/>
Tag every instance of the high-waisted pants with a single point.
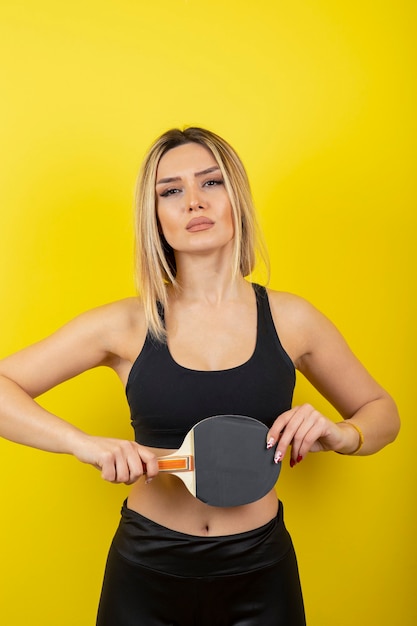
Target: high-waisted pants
<point x="159" y="577"/>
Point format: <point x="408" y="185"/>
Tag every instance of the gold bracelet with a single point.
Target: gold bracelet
<point x="361" y="437"/>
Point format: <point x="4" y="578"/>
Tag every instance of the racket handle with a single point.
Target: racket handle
<point x="176" y="464"/>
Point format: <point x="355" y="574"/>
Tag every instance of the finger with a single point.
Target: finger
<point x="139" y="461"/>
<point x="118" y="464"/>
<point x="118" y="470"/>
<point x="122" y="470"/>
<point x="108" y="466"/>
<point x="308" y="440"/>
<point x="149" y="463"/>
<point x="302" y="435"/>
<point x="313" y="427"/>
<point x="134" y="465"/>
<point x="290" y="423"/>
<point x="275" y="433"/>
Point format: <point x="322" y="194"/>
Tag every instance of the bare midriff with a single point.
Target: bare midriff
<point x="167" y="501"/>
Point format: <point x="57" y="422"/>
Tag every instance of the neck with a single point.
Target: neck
<point x="207" y="279"/>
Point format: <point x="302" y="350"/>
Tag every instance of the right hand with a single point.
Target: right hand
<point x="119" y="460"/>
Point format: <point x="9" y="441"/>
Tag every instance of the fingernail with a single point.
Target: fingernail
<point x="292" y="463"/>
<point x="278" y="457"/>
<point x="270" y="443"/>
<point x="148" y="480"/>
<point x="299" y="458"/>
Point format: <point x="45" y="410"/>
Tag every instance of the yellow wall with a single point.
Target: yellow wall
<point x="319" y="99"/>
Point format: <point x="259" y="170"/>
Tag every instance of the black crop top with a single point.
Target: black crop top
<point x="166" y="399"/>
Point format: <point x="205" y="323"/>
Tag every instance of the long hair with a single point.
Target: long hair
<point x="155" y="259"/>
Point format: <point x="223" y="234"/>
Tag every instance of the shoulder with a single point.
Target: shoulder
<point x="105" y="331"/>
<point x="290" y="307"/>
<point x="115" y="316"/>
<point x="115" y="322"/>
<point x="123" y="313"/>
<point x="114" y="332"/>
<point x="106" y="335"/>
<point x="123" y="329"/>
<point x="301" y="326"/>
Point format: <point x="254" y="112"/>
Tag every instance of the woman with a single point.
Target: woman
<point x="201" y="340"/>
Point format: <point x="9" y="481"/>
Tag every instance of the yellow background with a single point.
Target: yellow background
<point x="318" y="97"/>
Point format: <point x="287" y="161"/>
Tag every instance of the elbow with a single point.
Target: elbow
<point x="396" y="428"/>
<point x="394" y="424"/>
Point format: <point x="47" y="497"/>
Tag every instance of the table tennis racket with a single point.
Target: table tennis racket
<point x="223" y="461"/>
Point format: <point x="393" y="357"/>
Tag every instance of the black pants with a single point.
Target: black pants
<point x="159" y="577"/>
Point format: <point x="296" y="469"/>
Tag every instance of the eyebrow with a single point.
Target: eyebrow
<point x="173" y="179"/>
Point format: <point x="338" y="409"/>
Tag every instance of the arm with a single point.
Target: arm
<point x="91" y="340"/>
<point x="322" y="355"/>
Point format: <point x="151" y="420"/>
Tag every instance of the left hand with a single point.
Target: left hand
<point x="306" y="430"/>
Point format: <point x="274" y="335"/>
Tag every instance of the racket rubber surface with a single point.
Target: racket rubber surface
<point x="232" y="464"/>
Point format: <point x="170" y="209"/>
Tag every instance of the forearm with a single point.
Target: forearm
<point x="379" y="424"/>
<point x="24" y="421"/>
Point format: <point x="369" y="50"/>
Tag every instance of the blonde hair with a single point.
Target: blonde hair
<point x="155" y="260"/>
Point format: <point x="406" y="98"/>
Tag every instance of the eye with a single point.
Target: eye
<point x="169" y="192"/>
<point x="213" y="182"/>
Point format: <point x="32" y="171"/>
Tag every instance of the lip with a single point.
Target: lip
<point x="199" y="223"/>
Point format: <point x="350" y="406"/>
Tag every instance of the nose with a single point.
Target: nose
<point x="194" y="200"/>
<point x="195" y="205"/>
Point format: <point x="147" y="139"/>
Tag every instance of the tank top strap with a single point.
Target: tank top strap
<point x="267" y="334"/>
<point x="265" y="321"/>
<point x="161" y="311"/>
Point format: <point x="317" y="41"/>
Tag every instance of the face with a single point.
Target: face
<point x="193" y="206"/>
